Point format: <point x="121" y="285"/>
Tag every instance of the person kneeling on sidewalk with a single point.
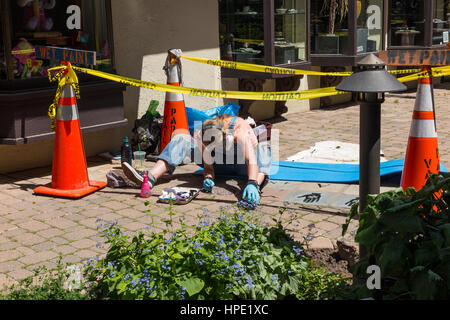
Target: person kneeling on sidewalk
<point x="226" y="145"/>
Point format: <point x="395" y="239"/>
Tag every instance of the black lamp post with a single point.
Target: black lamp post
<point x="370" y="81"/>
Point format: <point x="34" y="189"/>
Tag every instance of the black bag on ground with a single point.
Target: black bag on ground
<point x="147" y="131"/>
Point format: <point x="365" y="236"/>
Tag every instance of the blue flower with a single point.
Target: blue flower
<point x="249" y="282"/>
<point x="297" y="251"/>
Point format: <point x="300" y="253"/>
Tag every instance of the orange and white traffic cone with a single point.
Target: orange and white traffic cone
<point x="69" y="173"/>
<point x="175" y="118"/>
<point x="422" y="153"/>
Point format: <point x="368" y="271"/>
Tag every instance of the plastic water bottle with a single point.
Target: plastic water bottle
<point x="125" y="152"/>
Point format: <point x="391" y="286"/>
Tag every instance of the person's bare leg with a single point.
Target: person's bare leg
<point x="159" y="169"/>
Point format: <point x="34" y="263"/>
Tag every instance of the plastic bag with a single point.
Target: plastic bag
<point x="194" y="115"/>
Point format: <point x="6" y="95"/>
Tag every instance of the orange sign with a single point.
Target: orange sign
<point x="410" y="57"/>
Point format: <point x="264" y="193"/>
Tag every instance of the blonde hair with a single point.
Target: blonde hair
<point x="216" y="123"/>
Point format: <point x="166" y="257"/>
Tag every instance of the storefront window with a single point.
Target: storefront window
<point x="369" y="15"/>
<point x="441" y="22"/>
<point x="241" y="27"/>
<point x="290" y="31"/>
<point x="3" y="71"/>
<point x="74" y="24"/>
<point x="329" y="26"/>
<point x="407" y="22"/>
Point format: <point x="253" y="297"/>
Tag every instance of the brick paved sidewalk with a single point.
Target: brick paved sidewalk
<point x="35" y="229"/>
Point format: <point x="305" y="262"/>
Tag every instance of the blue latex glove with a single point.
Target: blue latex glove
<point x="251" y="193"/>
<point x="208" y="184"/>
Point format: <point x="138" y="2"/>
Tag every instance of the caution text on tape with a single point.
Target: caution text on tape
<point x="245" y="95"/>
<point x="277" y="70"/>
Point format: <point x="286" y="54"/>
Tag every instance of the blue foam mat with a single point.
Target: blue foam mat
<point x="326" y="172"/>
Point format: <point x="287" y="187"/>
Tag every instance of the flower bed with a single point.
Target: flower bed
<point x="232" y="257"/>
<point x="229" y="257"/>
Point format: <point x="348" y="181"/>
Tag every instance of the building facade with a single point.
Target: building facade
<point x="131" y="38"/>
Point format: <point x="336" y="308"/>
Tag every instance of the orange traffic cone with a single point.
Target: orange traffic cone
<point x="422" y="154"/>
<point x="69" y="173"/>
<point x="175" y="119"/>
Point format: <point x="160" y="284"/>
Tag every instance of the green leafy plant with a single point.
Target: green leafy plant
<point x="228" y="257"/>
<point x="407" y="234"/>
<point x="44" y="284"/>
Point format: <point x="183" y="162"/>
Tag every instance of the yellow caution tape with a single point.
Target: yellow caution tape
<point x="24" y="51"/>
<point x="103" y="61"/>
<point x="261" y="68"/>
<point x="250" y="41"/>
<point x="64" y="76"/>
<point x="277" y="70"/>
<point x="441" y="71"/>
<point x="245" y="95"/>
<point x="403" y="71"/>
<point x="435" y="72"/>
<point x="413" y="77"/>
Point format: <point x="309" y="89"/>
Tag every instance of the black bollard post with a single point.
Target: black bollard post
<point x="369" y="147"/>
<point x="370" y="81"/>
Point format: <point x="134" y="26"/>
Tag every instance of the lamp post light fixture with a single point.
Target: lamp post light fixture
<point x="370" y="81"/>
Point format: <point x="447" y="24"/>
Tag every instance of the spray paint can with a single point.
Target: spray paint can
<point x="145" y="188"/>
